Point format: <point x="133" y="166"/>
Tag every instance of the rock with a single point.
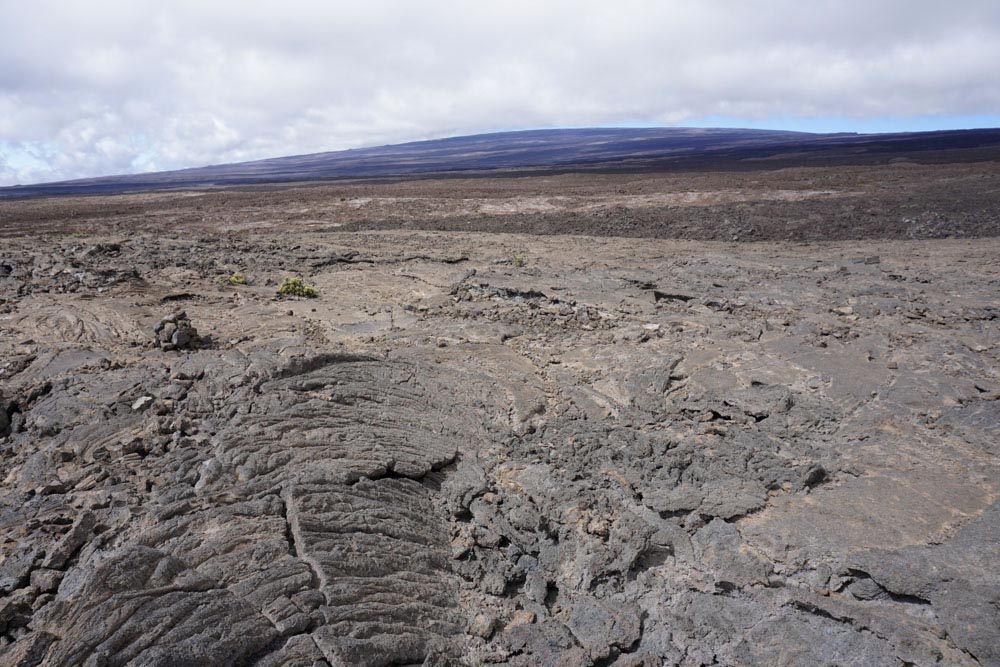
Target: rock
<point x="958" y="579"/>
<point x="175" y="332"/>
<point x="297" y="650"/>
<point x="16" y="566"/>
<point x="45" y="580"/>
<point x="521" y="617"/>
<point x="181" y="338"/>
<point x="208" y="472"/>
<point x="482" y="625"/>
<point x="720" y="545"/>
<point x="15" y="609"/>
<point x="821" y="577"/>
<point x="545" y="644"/>
<point x="78" y="534"/>
<point x="28" y="651"/>
<point x="115" y="597"/>
<point x="602" y="626"/>
<point x="865" y="589"/>
<point x="17" y="423"/>
<point x="142" y="403"/>
<point x="816" y="474"/>
<point x="643" y="659"/>
<point x="286" y="617"/>
<point x="682" y="498"/>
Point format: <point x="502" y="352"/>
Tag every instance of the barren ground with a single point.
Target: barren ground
<point x="478" y="447"/>
<point x="901" y="200"/>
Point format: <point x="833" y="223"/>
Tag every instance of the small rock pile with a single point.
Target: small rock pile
<point x="175" y="332"/>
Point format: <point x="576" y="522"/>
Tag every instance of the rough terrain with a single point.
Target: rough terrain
<point x="497" y="449"/>
<point x="734" y="202"/>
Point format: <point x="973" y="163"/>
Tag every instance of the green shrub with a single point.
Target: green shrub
<point x="233" y="280"/>
<point x="519" y="260"/>
<point x="295" y="287"/>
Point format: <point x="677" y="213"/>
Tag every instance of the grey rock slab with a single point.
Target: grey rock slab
<point x="141" y="606"/>
<point x="78" y="534"/>
<point x="603" y="626"/>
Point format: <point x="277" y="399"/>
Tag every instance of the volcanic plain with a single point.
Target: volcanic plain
<point x="717" y="417"/>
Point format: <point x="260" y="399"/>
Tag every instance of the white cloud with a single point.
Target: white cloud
<point x="113" y="86"/>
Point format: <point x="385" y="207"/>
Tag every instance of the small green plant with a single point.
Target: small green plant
<point x="295" y="287"/>
<point x="519" y="260"/>
<point x="232" y="280"/>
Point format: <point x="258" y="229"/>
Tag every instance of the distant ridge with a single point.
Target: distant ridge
<point x="607" y="149"/>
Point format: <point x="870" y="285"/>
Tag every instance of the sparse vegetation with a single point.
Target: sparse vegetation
<point x="296" y="287"/>
<point x="519" y="260"/>
<point x="234" y="279"/>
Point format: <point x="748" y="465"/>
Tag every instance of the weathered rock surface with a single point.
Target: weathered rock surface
<point x="789" y="457"/>
<point x="175" y="332"/>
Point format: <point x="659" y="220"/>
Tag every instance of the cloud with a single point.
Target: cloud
<point x="116" y="86"/>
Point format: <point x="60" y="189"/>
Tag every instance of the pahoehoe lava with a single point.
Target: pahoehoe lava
<point x="504" y="449"/>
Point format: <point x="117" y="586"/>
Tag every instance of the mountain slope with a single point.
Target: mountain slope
<point x="566" y="149"/>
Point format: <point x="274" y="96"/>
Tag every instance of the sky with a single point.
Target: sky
<point x="99" y="87"/>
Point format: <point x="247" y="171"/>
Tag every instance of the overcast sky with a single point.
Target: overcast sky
<point x="95" y="87"/>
